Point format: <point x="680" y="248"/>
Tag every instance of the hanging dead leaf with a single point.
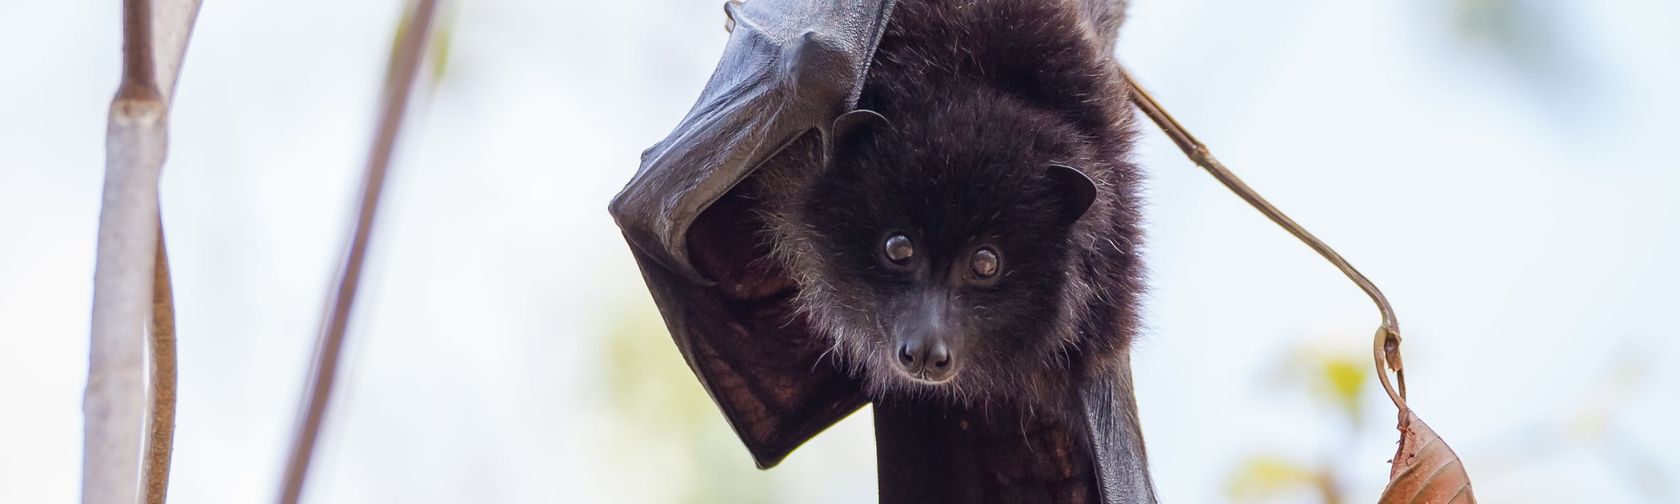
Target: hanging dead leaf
<point x="1424" y="469"/>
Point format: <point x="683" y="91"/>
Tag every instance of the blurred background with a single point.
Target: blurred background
<point x="1504" y="169"/>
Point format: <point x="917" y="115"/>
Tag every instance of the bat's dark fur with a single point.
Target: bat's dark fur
<point x="981" y="97"/>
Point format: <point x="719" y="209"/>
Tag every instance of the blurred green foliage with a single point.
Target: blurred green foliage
<point x="1336" y="380"/>
<point x="1341" y="379"/>
<point x="442" y="39"/>
<point x="438" y="45"/>
<point x="658" y="410"/>
<point x="1530" y="37"/>
<point x="1261" y="478"/>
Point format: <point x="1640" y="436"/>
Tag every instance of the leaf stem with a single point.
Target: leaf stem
<point x="1386" y="345"/>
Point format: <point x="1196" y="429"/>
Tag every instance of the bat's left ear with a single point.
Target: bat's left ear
<point x="849" y="126"/>
<point x="1076" y="188"/>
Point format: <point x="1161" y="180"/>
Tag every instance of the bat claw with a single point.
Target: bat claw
<point x="729" y="14"/>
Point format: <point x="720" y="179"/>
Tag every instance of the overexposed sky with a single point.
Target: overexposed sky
<point x="1517" y="206"/>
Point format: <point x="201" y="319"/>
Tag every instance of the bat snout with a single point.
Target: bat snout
<point x="927" y="359"/>
<point x="927" y="338"/>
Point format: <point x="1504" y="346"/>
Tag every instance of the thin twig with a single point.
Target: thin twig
<point x="399" y="83"/>
<point x="127" y="270"/>
<point x="161" y="426"/>
<point x="1386" y="347"/>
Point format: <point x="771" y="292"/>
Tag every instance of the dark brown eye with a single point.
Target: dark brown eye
<point x="985" y="263"/>
<point x="899" y="250"/>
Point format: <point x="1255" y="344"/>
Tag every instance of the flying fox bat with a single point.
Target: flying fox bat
<point x="927" y="205"/>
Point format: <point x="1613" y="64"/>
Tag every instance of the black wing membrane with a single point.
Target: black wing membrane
<point x="1115" y="435"/>
<point x="790" y="68"/>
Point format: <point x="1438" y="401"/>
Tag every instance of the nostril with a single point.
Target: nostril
<point x="905" y="357"/>
<point x="940" y="357"/>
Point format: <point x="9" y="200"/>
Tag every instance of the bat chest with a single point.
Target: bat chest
<point x="934" y="454"/>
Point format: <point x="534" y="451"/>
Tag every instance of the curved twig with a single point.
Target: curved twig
<point x="160" y="439"/>
<point x="1386" y="346"/>
<point x="399" y="83"/>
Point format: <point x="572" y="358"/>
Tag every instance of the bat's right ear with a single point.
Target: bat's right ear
<point x="849" y="126"/>
<point x="1076" y="187"/>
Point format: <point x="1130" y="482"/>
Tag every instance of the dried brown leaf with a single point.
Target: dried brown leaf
<point x="1425" y="469"/>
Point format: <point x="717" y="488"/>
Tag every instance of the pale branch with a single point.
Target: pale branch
<point x="127" y="299"/>
<point x="399" y="84"/>
<point x="1386" y="348"/>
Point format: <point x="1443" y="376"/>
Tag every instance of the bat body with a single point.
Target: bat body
<point x="923" y="204"/>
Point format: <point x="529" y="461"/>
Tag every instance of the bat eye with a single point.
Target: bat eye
<point x="985" y="263"/>
<point x="898" y="249"/>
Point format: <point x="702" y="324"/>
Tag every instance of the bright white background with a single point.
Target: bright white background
<point x="1511" y="184"/>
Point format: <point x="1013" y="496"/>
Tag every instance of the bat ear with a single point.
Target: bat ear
<point x="1076" y="188"/>
<point x="852" y="125"/>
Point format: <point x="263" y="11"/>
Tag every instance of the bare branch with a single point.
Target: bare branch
<point x="399" y="84"/>
<point x="155" y="35"/>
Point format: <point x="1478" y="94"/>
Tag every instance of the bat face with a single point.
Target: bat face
<point x="942" y="245"/>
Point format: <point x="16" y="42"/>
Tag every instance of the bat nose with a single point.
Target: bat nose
<point x="928" y="359"/>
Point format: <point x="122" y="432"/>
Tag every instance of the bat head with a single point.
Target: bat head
<point x="943" y="244"/>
